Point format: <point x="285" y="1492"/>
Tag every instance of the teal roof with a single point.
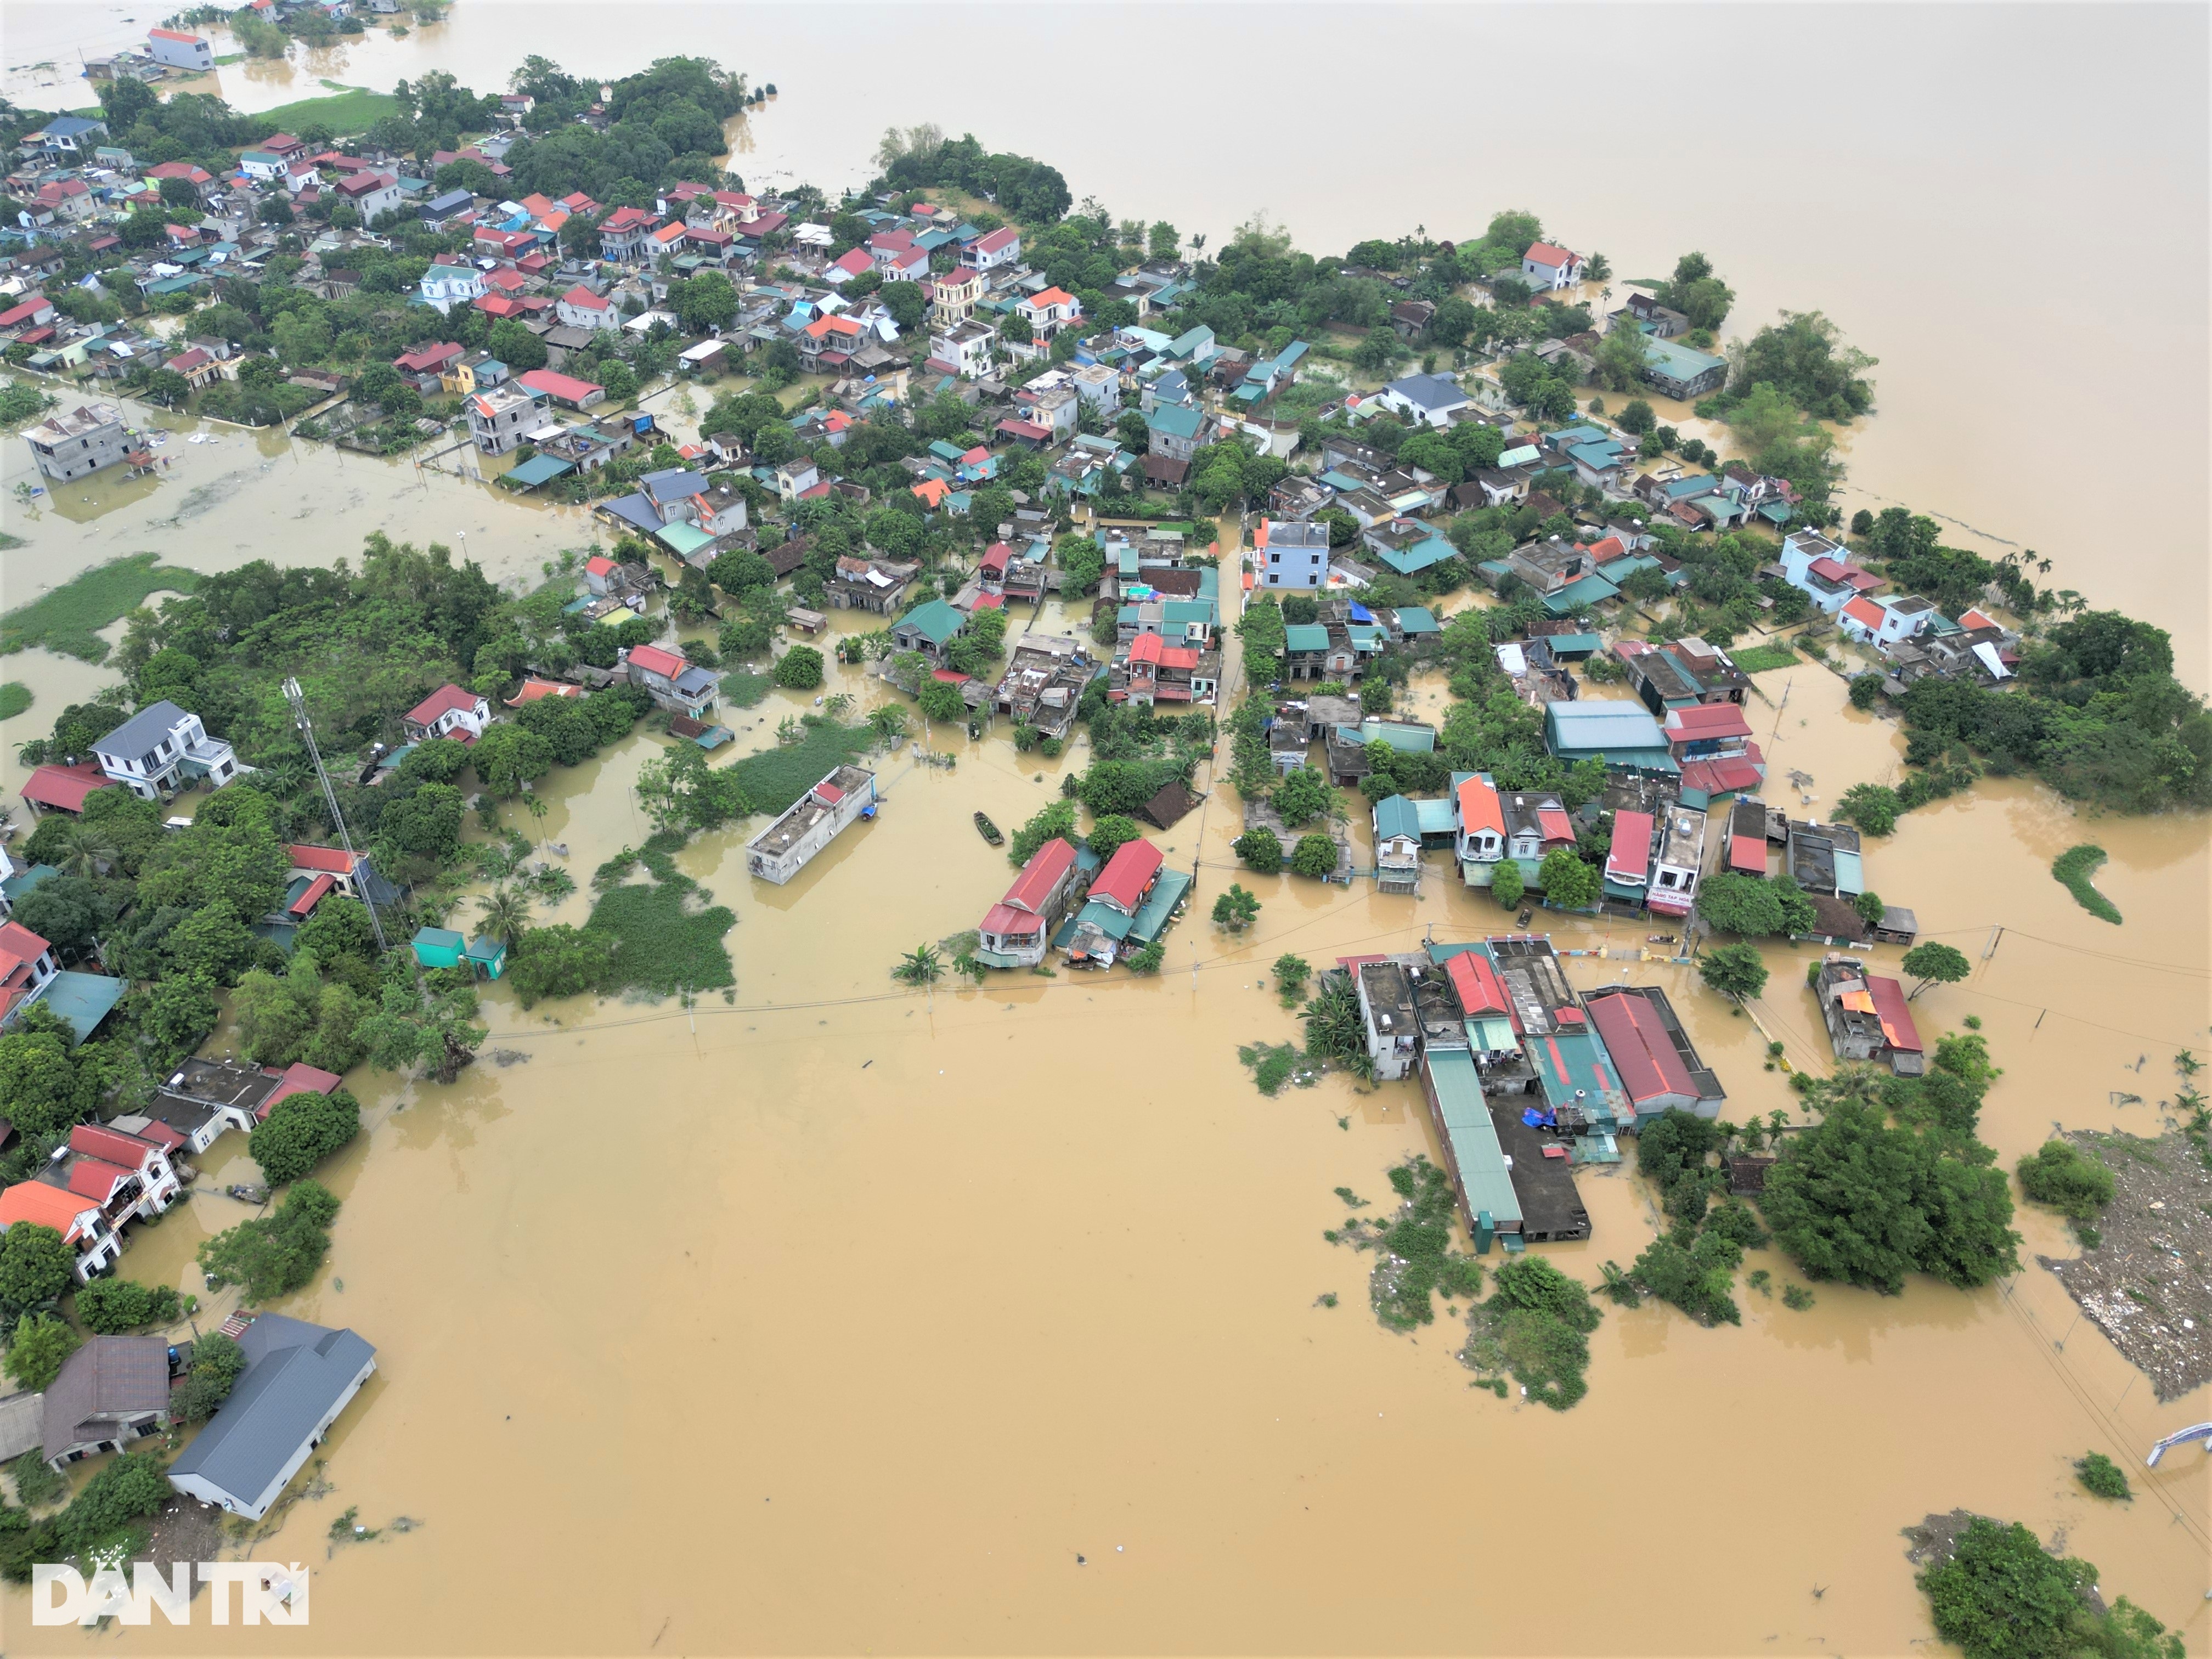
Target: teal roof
<point x="1565" y="642"/>
<point x="1406" y="739"/>
<point x="1174" y="420"/>
<point x="1419" y="557"/>
<point x="1397" y="815"/>
<point x="26" y="881"/>
<point x="682" y="539"/>
<point x="487" y="950"/>
<point x="1152" y="918"/>
<point x="936" y="621"/>
<point x="538" y="470"/>
<point x="1680" y="361"/>
<point x="1305" y="637"/>
<point x="82" y="1000"/>
<point x="1470" y="1138"/>
<point x="1580" y="595"/>
<point x="1106" y="919"/>
<point x="1416" y="619"/>
<point x="439" y="938"/>
<point x="1364" y="636"/>
<point x="1573" y="1069"/>
<point x="1600" y="728"/>
<point x="1436" y="817"/>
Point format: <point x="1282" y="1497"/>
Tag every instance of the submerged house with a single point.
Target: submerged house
<point x="1016" y="930"/>
<point x="1397" y="845"/>
<point x="298" y="1377"/>
<point x="1867" y="1016"/>
<point x="811" y="823"/>
<point x="1651" y="1054"/>
<point x="111" y="1391"/>
<point x="1131" y="902"/>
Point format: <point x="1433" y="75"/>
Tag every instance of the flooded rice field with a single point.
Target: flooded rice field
<point x="833" y="1315"/>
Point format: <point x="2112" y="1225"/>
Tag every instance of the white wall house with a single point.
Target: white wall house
<point x="162" y="749"/>
<point x="1295" y="556"/>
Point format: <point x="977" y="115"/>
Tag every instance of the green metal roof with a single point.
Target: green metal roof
<point x="1174" y="420"/>
<point x="682" y="539"/>
<point x="1305" y="637"/>
<point x="1580" y="595"/>
<point x="1464" y="1121"/>
<point x="1107" y="919"/>
<point x="1416" y="619"/>
<point x="1152" y="918"/>
<point x="538" y="470"/>
<point x="1436" y="817"/>
<point x="82" y="1000"/>
<point x="936" y="621"/>
<point x="1406" y="739"/>
<point x="1680" y="361"/>
<point x="1419" y="557"/>
<point x="1397" y="815"/>
<point x="1564" y="642"/>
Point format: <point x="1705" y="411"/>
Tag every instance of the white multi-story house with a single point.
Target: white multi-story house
<point x="499" y="418"/>
<point x="1547" y="266"/>
<point x="130" y="1177"/>
<point x="965" y="347"/>
<point x="581" y="308"/>
<point x="1001" y="247"/>
<point x="1050" y="311"/>
<point x="78" y="1220"/>
<point x="371" y="193"/>
<point x="1293" y="553"/>
<point x="161" y="749"/>
<point x="448" y="711"/>
<point x="179" y="49"/>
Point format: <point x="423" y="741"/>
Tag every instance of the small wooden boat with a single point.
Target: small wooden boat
<point x="989" y="831"/>
<point x="245" y="1194"/>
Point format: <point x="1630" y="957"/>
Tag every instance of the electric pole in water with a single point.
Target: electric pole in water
<point x="294" y="695"/>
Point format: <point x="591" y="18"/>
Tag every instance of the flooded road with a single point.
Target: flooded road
<point x="836" y="1316"/>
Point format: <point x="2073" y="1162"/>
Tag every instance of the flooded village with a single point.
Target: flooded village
<point x="849" y="803"/>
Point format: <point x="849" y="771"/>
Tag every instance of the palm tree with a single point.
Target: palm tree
<point x="84" y="850"/>
<point x="506" y="914"/>
<point x="535" y="806"/>
<point x="919" y="966"/>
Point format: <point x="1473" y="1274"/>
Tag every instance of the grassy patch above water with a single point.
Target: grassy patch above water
<point x="2075" y="870"/>
<point x="775" y="778"/>
<point x="68" y="621"/>
<point x="1536" y="1327"/>
<point x="1761" y="658"/>
<point x="668" y="937"/>
<point x="353" y="111"/>
<point x="1274" y="1064"/>
<point x="744" y="690"/>
<point x="15" y="698"/>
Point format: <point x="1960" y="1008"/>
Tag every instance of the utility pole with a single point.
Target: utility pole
<point x="298" y="699"/>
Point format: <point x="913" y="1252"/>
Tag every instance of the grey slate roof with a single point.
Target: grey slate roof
<point x="1430" y="391"/>
<point x="294" y="1373"/>
<point x="673" y="484"/>
<point x="136" y="736"/>
<point x="115" y="1374"/>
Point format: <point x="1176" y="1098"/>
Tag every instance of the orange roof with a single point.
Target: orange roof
<point x="44" y="1207"/>
<point x="1864" y="610"/>
<point x="1479" y="806"/>
<point x="1051" y="296"/>
<point x="532" y="690"/>
<point x="933" y="491"/>
<point x="331" y="860"/>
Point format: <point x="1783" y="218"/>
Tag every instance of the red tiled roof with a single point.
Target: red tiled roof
<point x="560" y="386"/>
<point x="828" y="793"/>
<point x="64" y="787"/>
<point x="92" y="1178"/>
<point x="600" y="565"/>
<point x="1555" y="823"/>
<point x="1548" y="253"/>
<point x="1747" y="855"/>
<point x="1005" y="919"/>
<point x="1128" y="874"/>
<point x="1051" y="296"/>
<point x="1642" y="1052"/>
<point x="331" y="860"/>
<point x="1833" y="570"/>
<point x="1024" y="429"/>
<point x="425" y="359"/>
<point x="950" y="676"/>
<point x="307" y="901"/>
<point x="1475" y="982"/>
<point x="98" y="1140"/>
<point x="996" y="241"/>
<point x="1709" y="720"/>
<point x="534" y="688"/>
<point x="1864" y="610"/>
<point x="654" y="660"/>
<point x="444" y="701"/>
<point x="1047" y="867"/>
<point x="1605" y="551"/>
<point x="1973" y="618"/>
<point x="299" y="1078"/>
<point x="931" y="492"/>
<point x="1629" y="860"/>
<point x="1896" y="1019"/>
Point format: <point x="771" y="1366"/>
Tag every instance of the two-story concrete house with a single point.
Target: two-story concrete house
<point x="1293" y="554"/>
<point x="163" y="749"/>
<point x="499" y="418"/>
<point x="79" y="443"/>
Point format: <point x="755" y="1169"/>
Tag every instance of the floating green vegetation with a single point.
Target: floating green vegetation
<point x="1535" y="1326"/>
<point x="1413" y="1243"/>
<point x="775" y="778"/>
<point x="15" y="698"/>
<point x="2102" y="1476"/>
<point x="2075" y="870"/>
<point x="1761" y="658"/>
<point x="1274" y="1064"/>
<point x="1797" y="1296"/>
<point x="68" y="621"/>
<point x="668" y="934"/>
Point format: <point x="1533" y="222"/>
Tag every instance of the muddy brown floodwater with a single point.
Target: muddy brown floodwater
<point x="835" y="1316"/>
